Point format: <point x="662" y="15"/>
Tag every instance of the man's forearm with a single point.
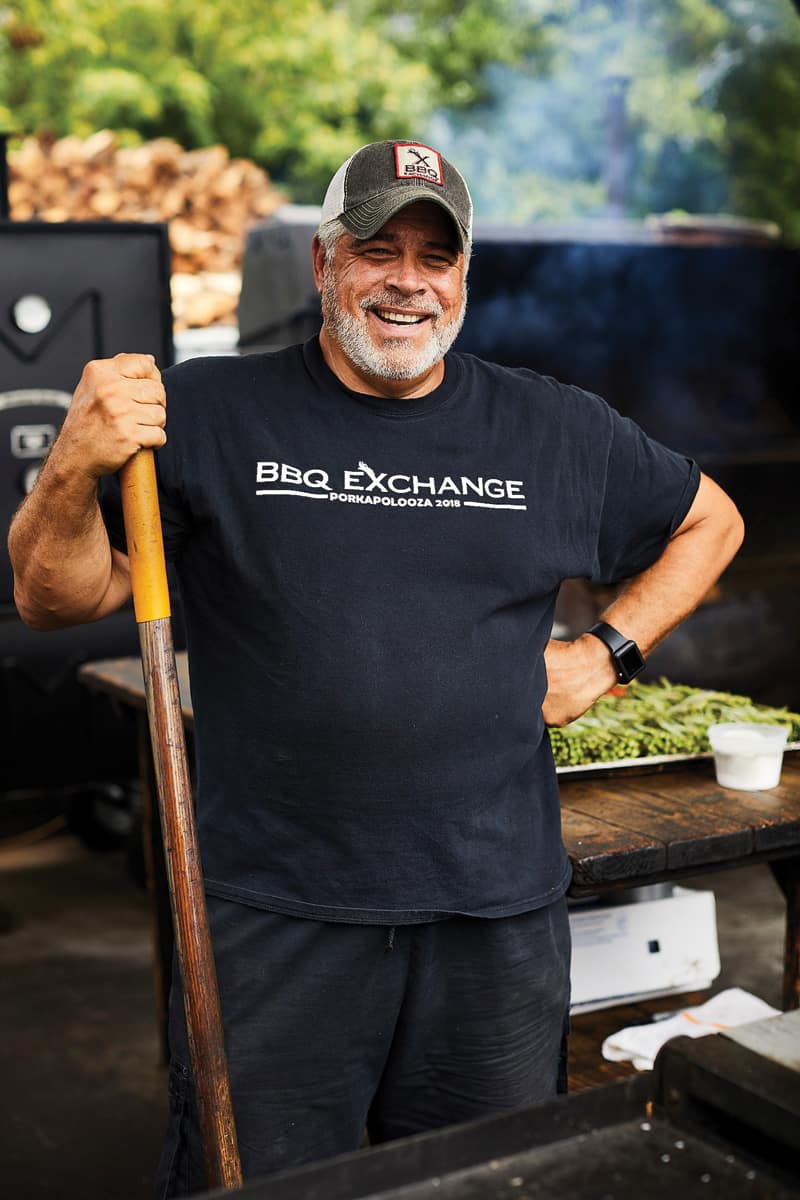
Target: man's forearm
<point x="650" y="605"/>
<point x="64" y="572"/>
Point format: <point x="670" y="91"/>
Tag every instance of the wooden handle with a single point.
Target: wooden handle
<point x="182" y="855"/>
<point x="145" y="541"/>
<point x="190" y="919"/>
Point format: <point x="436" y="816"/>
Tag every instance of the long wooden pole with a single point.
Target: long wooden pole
<point x="192" y="938"/>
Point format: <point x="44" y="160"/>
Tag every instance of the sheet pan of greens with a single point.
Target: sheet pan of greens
<point x="655" y="725"/>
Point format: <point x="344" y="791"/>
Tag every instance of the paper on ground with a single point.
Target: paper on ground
<point x="641" y="1043"/>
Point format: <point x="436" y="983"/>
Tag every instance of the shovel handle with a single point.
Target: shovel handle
<point x="182" y="855"/>
<point x="145" y="541"/>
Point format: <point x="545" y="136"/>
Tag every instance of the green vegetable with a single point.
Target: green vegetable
<point x="651" y="719"/>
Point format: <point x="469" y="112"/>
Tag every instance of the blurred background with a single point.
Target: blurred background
<point x="553" y="108"/>
<point x="635" y="167"/>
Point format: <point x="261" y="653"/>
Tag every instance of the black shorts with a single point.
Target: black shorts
<point x="332" y="1029"/>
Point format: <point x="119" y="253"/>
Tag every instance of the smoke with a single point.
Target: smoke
<point x="630" y="115"/>
<point x="697" y="343"/>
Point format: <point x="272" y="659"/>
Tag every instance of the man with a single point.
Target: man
<point x="370" y="533"/>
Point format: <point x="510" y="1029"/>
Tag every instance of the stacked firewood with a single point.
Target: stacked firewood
<point x="208" y="198"/>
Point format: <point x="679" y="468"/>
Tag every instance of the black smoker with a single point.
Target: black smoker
<point x="68" y="293"/>
<point x="692" y="332"/>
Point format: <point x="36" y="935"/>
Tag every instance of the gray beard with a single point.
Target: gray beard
<point x="396" y="358"/>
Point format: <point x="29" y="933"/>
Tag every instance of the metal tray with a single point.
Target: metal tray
<point x="643" y="766"/>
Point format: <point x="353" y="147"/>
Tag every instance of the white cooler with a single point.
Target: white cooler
<point x="624" y="952"/>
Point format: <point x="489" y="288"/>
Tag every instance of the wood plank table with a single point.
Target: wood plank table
<point x="635" y="830"/>
<point x="620" y="831"/>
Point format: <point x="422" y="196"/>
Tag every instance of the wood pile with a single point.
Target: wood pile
<point x="208" y="199"/>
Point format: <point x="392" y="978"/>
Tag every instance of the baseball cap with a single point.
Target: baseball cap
<point x="383" y="177"/>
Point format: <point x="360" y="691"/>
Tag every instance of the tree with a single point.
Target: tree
<point x="763" y="135"/>
<point x="296" y="84"/>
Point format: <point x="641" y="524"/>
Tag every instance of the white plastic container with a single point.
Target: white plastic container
<point x="747" y="756"/>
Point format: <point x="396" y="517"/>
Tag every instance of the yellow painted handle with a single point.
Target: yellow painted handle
<point x="145" y="541"/>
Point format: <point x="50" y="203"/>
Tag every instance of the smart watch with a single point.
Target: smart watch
<point x="626" y="654"/>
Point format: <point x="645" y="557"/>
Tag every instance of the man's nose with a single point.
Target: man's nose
<point x="403" y="274"/>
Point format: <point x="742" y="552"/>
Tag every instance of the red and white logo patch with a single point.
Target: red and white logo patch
<point x="418" y="162"/>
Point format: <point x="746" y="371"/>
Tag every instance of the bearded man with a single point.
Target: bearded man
<point x="370" y="531"/>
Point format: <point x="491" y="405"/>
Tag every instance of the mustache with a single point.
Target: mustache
<point x="388" y="299"/>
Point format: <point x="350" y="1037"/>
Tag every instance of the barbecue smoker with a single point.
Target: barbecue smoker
<point x="692" y="330"/>
<point x="68" y="293"/>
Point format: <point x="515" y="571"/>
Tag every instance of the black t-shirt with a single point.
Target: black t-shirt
<point x="368" y="588"/>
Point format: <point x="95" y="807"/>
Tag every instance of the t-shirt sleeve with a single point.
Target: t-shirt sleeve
<point x="111" y="508"/>
<point x="173" y="521"/>
<point x="649" y="489"/>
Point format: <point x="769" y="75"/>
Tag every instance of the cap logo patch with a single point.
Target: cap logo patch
<point x="418" y="162"/>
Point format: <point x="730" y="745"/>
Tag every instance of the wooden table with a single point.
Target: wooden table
<point x="620" y="831"/>
<point x="634" y="830"/>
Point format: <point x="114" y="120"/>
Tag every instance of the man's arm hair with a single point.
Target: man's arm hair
<point x="653" y="603"/>
<point x="650" y="604"/>
<point x="65" y="569"/>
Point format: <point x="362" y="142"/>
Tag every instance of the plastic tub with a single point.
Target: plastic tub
<point x="748" y="756"/>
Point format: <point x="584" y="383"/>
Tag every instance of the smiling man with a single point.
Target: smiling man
<point x="370" y="531"/>
<point x="393" y="304"/>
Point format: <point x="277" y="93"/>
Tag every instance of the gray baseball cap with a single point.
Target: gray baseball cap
<point x="382" y="178"/>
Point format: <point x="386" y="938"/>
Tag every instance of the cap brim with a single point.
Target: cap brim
<point x="364" y="220"/>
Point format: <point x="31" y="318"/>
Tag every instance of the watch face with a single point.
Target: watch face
<point x="629" y="660"/>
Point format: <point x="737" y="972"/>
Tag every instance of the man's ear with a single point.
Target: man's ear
<point x="318" y="259"/>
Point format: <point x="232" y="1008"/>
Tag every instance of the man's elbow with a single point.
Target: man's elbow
<point x="46" y="602"/>
<point x="733" y="532"/>
<point x="25" y="602"/>
<point x="30" y="610"/>
<point x="40" y="617"/>
<point x="717" y="524"/>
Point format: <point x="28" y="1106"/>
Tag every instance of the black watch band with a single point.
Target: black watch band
<point x="627" y="656"/>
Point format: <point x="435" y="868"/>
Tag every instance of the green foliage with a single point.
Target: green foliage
<point x="296" y="84"/>
<point x="763" y="135"/>
<point x="457" y="40"/>
<point x="115" y="97"/>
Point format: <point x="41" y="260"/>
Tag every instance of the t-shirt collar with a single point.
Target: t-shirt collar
<point x="412" y="407"/>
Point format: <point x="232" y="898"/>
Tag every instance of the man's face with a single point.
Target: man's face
<point x="393" y="304"/>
